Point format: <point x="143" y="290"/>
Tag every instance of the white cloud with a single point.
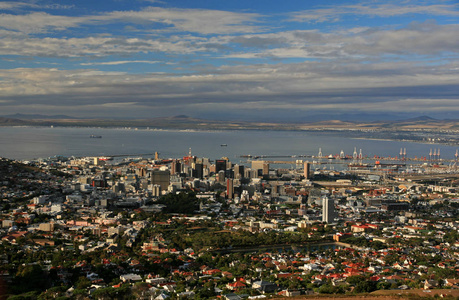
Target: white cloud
<point x="10" y="5"/>
<point x="38" y="22"/>
<point x="333" y="14"/>
<point x="306" y="85"/>
<point x="189" y="20"/>
<point x="121" y="62"/>
<point x="428" y="39"/>
<point x="414" y="39"/>
<point x="91" y="46"/>
<point x="411" y="68"/>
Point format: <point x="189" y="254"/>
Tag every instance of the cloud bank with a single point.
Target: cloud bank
<point x="206" y="61"/>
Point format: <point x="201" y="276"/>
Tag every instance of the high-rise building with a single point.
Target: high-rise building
<point x="238" y="171"/>
<point x="198" y="171"/>
<point x="307" y="170"/>
<point x="212" y="169"/>
<point x="229" y="173"/>
<point x="229" y="188"/>
<point x="221" y="176"/>
<point x="220" y="165"/>
<point x="261" y="165"/>
<point x="249" y="173"/>
<point x="176" y="167"/>
<point x="328" y="210"/>
<point x="156" y="190"/>
<point x="161" y="177"/>
<point x="205" y="162"/>
<point x="141" y="172"/>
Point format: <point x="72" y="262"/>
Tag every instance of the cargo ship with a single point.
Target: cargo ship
<point x="105" y="158"/>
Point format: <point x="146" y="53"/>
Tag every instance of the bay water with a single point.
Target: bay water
<point x="26" y="143"/>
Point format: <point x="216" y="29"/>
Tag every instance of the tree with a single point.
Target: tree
<point x="366" y="286"/>
<point x="83" y="283"/>
<point x="330" y="289"/>
<point x="52" y="293"/>
<point x="185" y="203"/>
<point x="36" y="279"/>
<point x="354" y="280"/>
<point x="124" y="292"/>
<point x="383" y="285"/>
<point x="207" y="291"/>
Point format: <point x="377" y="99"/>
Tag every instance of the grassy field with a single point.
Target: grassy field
<point x="390" y="295"/>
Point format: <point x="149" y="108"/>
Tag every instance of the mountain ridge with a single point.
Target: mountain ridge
<point x="187" y="122"/>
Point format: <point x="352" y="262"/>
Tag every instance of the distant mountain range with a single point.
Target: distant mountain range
<point x="36" y="116"/>
<point x="186" y="122"/>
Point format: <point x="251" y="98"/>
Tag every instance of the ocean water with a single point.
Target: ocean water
<point x="36" y="142"/>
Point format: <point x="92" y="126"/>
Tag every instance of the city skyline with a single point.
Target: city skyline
<point x="238" y="60"/>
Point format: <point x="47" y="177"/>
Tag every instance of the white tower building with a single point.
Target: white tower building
<point x="328" y="210"/>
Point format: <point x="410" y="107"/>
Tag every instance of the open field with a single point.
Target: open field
<point x="420" y="293"/>
<point x="389" y="295"/>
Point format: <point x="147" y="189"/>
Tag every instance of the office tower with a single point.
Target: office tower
<point x="229" y="188"/>
<point x="221" y="176"/>
<point x="328" y="210"/>
<point x="160" y="177"/>
<point x="220" y="165"/>
<point x="261" y="166"/>
<point x="141" y="172"/>
<point x="249" y="173"/>
<point x="198" y="171"/>
<point x="176" y="167"/>
<point x="229" y="173"/>
<point x="156" y="190"/>
<point x="307" y="170"/>
<point x="238" y="171"/>
<point x="205" y="162"/>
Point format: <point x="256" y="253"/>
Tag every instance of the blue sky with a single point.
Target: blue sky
<point x="251" y="60"/>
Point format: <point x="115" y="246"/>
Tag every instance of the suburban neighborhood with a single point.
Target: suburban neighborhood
<point x="192" y="228"/>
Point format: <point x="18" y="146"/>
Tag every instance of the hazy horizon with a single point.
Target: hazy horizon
<point x="316" y="118"/>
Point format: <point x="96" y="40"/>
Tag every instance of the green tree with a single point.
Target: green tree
<point x="33" y="275"/>
<point x="366" y="286"/>
<point x="185" y="203"/>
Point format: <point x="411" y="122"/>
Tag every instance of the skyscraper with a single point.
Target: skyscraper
<point x="229" y="188"/>
<point x="198" y="171"/>
<point x="238" y="171"/>
<point x="220" y="165"/>
<point x="307" y="170"/>
<point x="328" y="210"/>
<point x="156" y="190"/>
<point x="261" y="165"/>
<point x="176" y="167"/>
<point x="221" y="176"/>
<point x="161" y="178"/>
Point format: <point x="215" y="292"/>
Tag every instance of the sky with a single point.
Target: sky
<point x="260" y="60"/>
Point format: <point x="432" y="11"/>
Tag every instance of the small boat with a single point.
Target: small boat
<point x="223" y="145"/>
<point x="95" y="136"/>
